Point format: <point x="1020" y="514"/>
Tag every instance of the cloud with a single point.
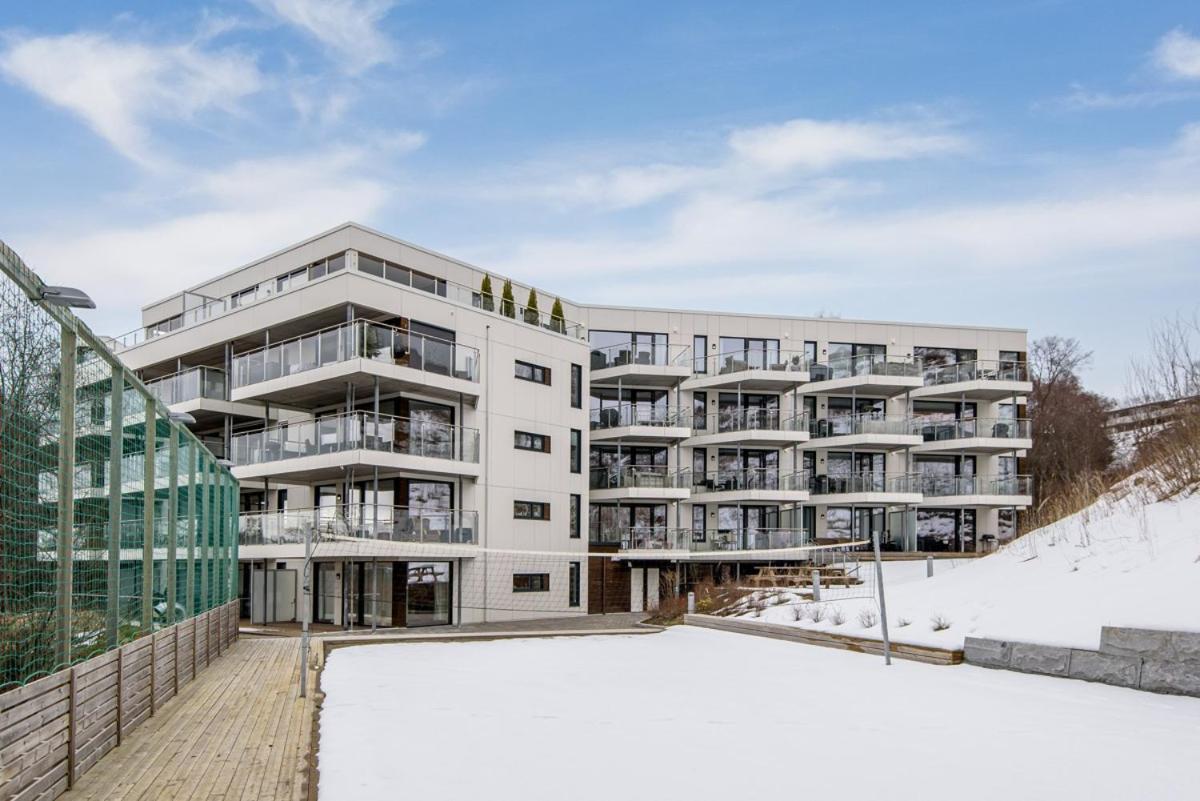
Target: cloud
<point x="821" y="145"/>
<point x="120" y="88"/>
<point x="1178" y="55"/>
<point x="1082" y="99"/>
<point x="348" y="29"/>
<point x="226" y="218"/>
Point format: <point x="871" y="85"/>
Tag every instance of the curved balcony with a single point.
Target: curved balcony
<point x="998" y="491"/>
<point x="633" y="482"/>
<point x="750" y="485"/>
<point x="643" y="422"/>
<point x="363" y="529"/>
<point x="982" y="379"/>
<point x="321" y="449"/>
<point x="866" y="489"/>
<point x="202" y="392"/>
<point x="640" y="363"/>
<point x="981" y="434"/>
<point x="750" y="368"/>
<point x="877" y="431"/>
<point x="314" y="368"/>
<point x="763" y="427"/>
<point x="872" y="373"/>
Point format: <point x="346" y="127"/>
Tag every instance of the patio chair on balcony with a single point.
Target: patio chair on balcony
<point x="1002" y="430"/>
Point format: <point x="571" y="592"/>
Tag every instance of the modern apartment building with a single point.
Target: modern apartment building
<point x="458" y="456"/>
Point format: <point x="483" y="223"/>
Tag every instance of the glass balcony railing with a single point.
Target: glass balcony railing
<point x="358" y="430"/>
<point x="978" y="370"/>
<point x="188" y="385"/>
<point x="994" y="428"/>
<point x="866" y="364"/>
<point x="643" y="354"/>
<point x="360" y="339"/>
<point x="639" y="414"/>
<point x="864" y="482"/>
<point x="936" y="486"/>
<point x="630" y="476"/>
<point x="850" y="424"/>
<point x="360" y="521"/>
<point x="738" y="361"/>
<point x="733" y="419"/>
<point x="760" y="478"/>
<point x="750" y="539"/>
<point x="664" y="538"/>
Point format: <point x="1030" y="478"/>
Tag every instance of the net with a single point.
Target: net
<point x="107" y="506"/>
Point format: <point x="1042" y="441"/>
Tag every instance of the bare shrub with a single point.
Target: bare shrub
<point x="837" y="616"/>
<point x="940" y="622"/>
<point x="816" y="613"/>
<point x="867" y="618"/>
<point x="903" y="621"/>
<point x="797" y="613"/>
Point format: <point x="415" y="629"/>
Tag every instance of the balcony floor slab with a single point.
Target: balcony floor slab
<point x="751" y="496"/>
<point x="640" y="433"/>
<point x="332" y="466"/>
<point x="773" y="380"/>
<point x="642" y="375"/>
<point x="753" y="436"/>
<point x="974" y="444"/>
<point x="885" y="442"/>
<point x="640" y="494"/>
<point x="980" y="389"/>
<point x="327" y="384"/>
<point x="867" y="499"/>
<point x="989" y="501"/>
<point x="871" y="385"/>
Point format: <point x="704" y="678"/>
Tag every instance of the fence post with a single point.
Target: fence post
<point x="116" y="453"/>
<point x="72" y="730"/>
<point x="816" y="585"/>
<point x="66" y="496"/>
<point x="148" y="518"/>
<point x="175" y="658"/>
<point x="172" y="523"/>
<point x="120" y="692"/>
<point x="928" y="567"/>
<point x="153" y="673"/>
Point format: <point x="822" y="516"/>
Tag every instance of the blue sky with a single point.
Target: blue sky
<point x="1034" y="164"/>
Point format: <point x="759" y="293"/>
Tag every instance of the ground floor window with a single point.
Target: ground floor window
<point x="945" y="529"/>
<point x="573" y="593"/>
<point x="531" y="582"/>
<point x="428" y="594"/>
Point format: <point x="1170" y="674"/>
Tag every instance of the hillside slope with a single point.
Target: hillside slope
<point x="1120" y="562"/>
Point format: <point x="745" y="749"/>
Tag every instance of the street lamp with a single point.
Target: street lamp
<point x="66" y="296"/>
<point x="182" y="417"/>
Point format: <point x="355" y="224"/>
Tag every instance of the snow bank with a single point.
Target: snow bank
<point x="1118" y="563"/>
<point x="696" y="714"/>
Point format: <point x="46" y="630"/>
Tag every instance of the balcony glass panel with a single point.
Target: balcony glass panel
<point x="639" y="414"/>
<point x="360" y="521"/>
<point x="845" y="483"/>
<point x="358" y="430"/>
<point x="844" y="365"/>
<point x="765" y="357"/>
<point x="187" y="385"/>
<point x="357" y="340"/>
<point x="939" y="486"/>
<point x="764" y="478"/>
<point x="978" y="370"/>
<point x="753" y="419"/>
<point x="649" y="476"/>
<point x="994" y="428"/>
<point x="850" y="424"/>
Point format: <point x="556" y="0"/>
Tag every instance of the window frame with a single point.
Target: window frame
<point x="533" y="580"/>
<point x="534" y="370"/>
<point x="531" y="510"/>
<point x="576" y="386"/>
<point x="535" y="439"/>
<point x="575" y="522"/>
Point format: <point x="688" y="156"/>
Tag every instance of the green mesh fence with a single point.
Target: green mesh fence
<point x="114" y="520"/>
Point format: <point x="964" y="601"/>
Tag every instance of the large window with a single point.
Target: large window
<point x="526" y="441"/>
<point x="747" y="353"/>
<point x="531" y="582"/>
<point x="699" y="522"/>
<point x="700" y="411"/>
<point x="849" y="358"/>
<point x="945" y="529"/>
<point x="616" y="348"/>
<point x="428" y="596"/>
<point x="401" y="275"/>
<point x="527" y="371"/>
<point x="611" y="407"/>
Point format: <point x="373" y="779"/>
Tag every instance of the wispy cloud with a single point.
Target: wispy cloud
<point x="1178" y="55"/>
<point x="119" y="88"/>
<point x="821" y="145"/>
<point x="1083" y="99"/>
<point x="349" y="30"/>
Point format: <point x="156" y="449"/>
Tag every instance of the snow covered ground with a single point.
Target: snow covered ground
<point x="698" y="714"/>
<point x="1118" y="563"/>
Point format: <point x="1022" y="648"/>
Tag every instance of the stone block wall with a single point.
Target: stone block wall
<point x="1143" y="659"/>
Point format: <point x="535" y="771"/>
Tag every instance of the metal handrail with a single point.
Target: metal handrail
<point x="640" y="414"/>
<point x="864" y="482"/>
<point x="358" y="339"/>
<point x="639" y="354"/>
<point x="755" y="478"/>
<point x="976" y="370"/>
<point x="863" y="423"/>
<point x="360" y="521"/>
<point x="987" y="427"/>
<point x="355" y="430"/>
<point x="736" y="361"/>
<point x="751" y="419"/>
<point x="639" y="477"/>
<point x="936" y="486"/>
<point x="866" y="364"/>
<point x="191" y="384"/>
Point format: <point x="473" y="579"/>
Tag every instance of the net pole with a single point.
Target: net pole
<point x="887" y="645"/>
<point x="307" y="578"/>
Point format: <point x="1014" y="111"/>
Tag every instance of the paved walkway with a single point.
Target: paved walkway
<point x="239" y="731"/>
<point x="548" y="625"/>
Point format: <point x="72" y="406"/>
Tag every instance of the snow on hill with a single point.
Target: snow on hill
<point x="1120" y="562"/>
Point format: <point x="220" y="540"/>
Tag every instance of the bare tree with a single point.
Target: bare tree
<point x="1171" y="368"/>
<point x="1070" y="439"/>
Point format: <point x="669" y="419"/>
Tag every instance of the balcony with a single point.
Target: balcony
<point x="641" y="363"/>
<point x="633" y="482"/>
<point x="315" y="368"/>
<point x="984" y="380"/>
<point x="998" y="491"/>
<point x="750" y="485"/>
<point x="751" y="369"/>
<point x="983" y="435"/>
<point x="360" y="530"/>
<point x="763" y="427"/>
<point x="321" y="449"/>
<point x="878" y="431"/>
<point x="661" y="542"/>
<point x="866" y="488"/>
<point x="202" y="392"/>
<point x="643" y="422"/>
<point x="873" y="373"/>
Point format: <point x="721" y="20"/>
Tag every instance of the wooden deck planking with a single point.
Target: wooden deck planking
<point x="238" y="730"/>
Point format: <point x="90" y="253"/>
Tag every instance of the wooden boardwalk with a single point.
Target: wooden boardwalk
<point x="239" y="731"/>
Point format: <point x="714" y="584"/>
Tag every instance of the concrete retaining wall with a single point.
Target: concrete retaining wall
<point x="1143" y="659"/>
